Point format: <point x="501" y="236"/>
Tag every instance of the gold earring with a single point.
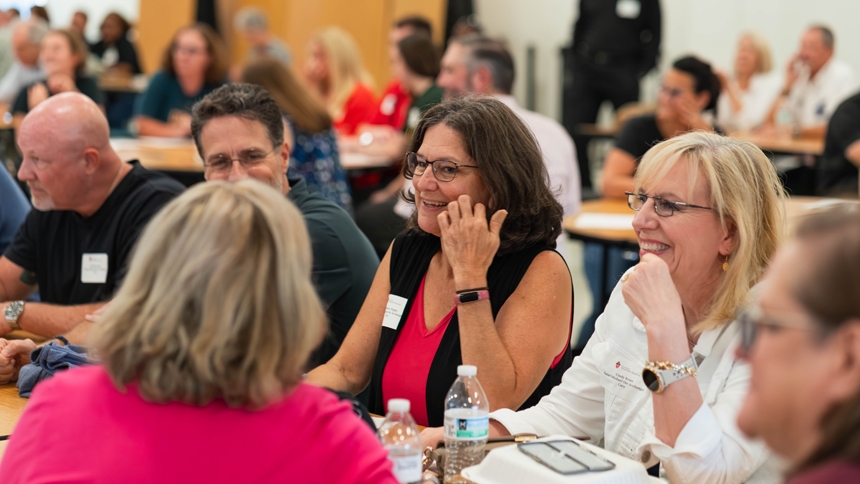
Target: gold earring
<point x="726" y="264"/>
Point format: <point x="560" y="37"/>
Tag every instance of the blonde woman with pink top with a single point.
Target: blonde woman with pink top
<point x="202" y="352"/>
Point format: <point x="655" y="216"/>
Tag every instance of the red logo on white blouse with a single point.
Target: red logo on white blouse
<point x="617" y="364"/>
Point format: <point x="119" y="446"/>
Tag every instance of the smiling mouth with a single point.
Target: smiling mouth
<point x="653" y="247"/>
<point x="434" y="204"/>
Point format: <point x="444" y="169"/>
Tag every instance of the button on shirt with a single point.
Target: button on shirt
<point x="602" y="396"/>
<point x="813" y="100"/>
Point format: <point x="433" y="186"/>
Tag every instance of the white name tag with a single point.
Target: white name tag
<point x="628" y="8"/>
<point x="393" y="311"/>
<point x="620" y="377"/>
<point x="94" y="268"/>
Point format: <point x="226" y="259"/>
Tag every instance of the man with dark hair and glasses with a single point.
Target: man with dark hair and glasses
<point x="239" y="133"/>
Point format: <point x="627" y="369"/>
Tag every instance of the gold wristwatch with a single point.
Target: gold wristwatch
<point x="657" y="375"/>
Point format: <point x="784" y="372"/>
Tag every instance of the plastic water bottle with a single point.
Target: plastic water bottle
<point x="400" y="436"/>
<point x="467" y="423"/>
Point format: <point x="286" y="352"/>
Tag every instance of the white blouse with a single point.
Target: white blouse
<point x="756" y="100"/>
<point x="602" y="397"/>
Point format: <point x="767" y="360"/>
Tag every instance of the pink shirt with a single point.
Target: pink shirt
<point x="79" y="428"/>
<point x="408" y="367"/>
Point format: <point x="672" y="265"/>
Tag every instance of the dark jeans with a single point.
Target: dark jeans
<point x="619" y="261"/>
<point x="592" y="85"/>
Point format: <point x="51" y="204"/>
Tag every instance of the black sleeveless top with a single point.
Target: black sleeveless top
<point x="410" y="257"/>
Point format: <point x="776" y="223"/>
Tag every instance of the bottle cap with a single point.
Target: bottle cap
<point x="467" y="370"/>
<point x="400" y="405"/>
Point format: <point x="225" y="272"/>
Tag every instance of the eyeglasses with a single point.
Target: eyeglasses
<point x="248" y="159"/>
<point x="443" y="170"/>
<point x="671" y="91"/>
<point x="664" y="208"/>
<point x="753" y="318"/>
<point x="189" y="51"/>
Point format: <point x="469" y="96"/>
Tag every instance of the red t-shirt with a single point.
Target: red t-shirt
<point x="359" y="108"/>
<point x="79" y="428"/>
<point x="393" y="106"/>
<point x="408" y="365"/>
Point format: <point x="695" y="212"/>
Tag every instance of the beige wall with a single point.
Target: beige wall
<point x="158" y="21"/>
<point x="294" y="21"/>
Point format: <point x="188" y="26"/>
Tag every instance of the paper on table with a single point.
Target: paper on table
<point x="610" y="221"/>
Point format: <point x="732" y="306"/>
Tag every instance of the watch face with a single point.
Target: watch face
<point x="651" y="380"/>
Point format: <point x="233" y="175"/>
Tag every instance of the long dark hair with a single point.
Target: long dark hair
<point x="218" y="57"/>
<point x="510" y="164"/>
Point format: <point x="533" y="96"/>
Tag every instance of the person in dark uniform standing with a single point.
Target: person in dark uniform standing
<point x="615" y="43"/>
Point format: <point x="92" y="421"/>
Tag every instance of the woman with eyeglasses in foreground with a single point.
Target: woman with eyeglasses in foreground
<point x="658" y="381"/>
<point x="802" y="342"/>
<point x="473" y="280"/>
<point x="202" y="351"/>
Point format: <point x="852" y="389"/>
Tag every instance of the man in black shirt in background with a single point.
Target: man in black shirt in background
<point x="90" y="208"/>
<point x="615" y="43"/>
<point x="837" y="168"/>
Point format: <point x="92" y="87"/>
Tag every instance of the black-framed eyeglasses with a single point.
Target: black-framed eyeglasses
<point x="754" y="318"/>
<point x="443" y="170"/>
<point x="248" y="159"/>
<point x="663" y="207"/>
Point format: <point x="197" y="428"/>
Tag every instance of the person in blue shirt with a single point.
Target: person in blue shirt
<point x="14" y="208"/>
<point x="194" y="65"/>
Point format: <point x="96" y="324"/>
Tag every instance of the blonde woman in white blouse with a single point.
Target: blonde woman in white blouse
<point x="747" y="96"/>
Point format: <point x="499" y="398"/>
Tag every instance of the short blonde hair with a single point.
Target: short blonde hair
<point x="764" y="61"/>
<point x="747" y="196"/>
<point x="344" y="66"/>
<point x="218" y="301"/>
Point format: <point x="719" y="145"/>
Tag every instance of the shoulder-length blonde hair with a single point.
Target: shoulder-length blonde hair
<point x="218" y="301"/>
<point x="764" y="61"/>
<point x="746" y="195"/>
<point x="344" y="66"/>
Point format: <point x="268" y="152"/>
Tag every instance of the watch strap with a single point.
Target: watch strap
<point x="13" y="312"/>
<point x="667" y="373"/>
<point x="471" y="296"/>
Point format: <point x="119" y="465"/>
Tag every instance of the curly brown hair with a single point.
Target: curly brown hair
<point x="511" y="167"/>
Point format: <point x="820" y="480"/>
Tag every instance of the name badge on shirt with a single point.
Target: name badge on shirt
<point x="393" y="311"/>
<point x="619" y="376"/>
<point x="94" y="268"/>
<point x="628" y="8"/>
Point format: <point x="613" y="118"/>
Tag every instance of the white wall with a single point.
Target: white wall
<point x="61" y="11"/>
<point x="704" y="27"/>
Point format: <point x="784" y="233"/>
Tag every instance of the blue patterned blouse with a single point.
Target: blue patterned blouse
<point x="315" y="158"/>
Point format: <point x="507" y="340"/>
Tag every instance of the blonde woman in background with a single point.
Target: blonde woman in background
<point x="202" y="351"/>
<point x="748" y="95"/>
<point x="334" y="71"/>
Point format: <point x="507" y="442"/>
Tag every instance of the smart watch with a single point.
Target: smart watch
<point x="13" y="312"/>
<point x="471" y="295"/>
<point x="657" y="375"/>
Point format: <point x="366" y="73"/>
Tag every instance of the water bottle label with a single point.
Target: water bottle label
<point x="467" y="428"/>
<point x="407" y="468"/>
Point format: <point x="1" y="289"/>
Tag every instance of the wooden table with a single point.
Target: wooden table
<point x="132" y="84"/>
<point x="11" y="408"/>
<point x="772" y="144"/>
<point x="3" y="444"/>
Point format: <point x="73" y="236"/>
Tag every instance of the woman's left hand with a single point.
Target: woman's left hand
<point x="59" y="83"/>
<point x="469" y="242"/>
<point x="651" y="294"/>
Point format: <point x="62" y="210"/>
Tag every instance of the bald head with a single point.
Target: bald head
<point x="68" y="161"/>
<point x="69" y="120"/>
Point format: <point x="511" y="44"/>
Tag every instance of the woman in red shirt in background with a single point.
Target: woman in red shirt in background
<point x="334" y="71"/>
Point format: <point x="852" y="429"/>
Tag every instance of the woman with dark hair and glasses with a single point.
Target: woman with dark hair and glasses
<point x="802" y="342"/>
<point x="658" y="381"/>
<point x="473" y="280"/>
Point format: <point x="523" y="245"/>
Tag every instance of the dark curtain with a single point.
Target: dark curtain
<point x="457" y="10"/>
<point x="207" y="13"/>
